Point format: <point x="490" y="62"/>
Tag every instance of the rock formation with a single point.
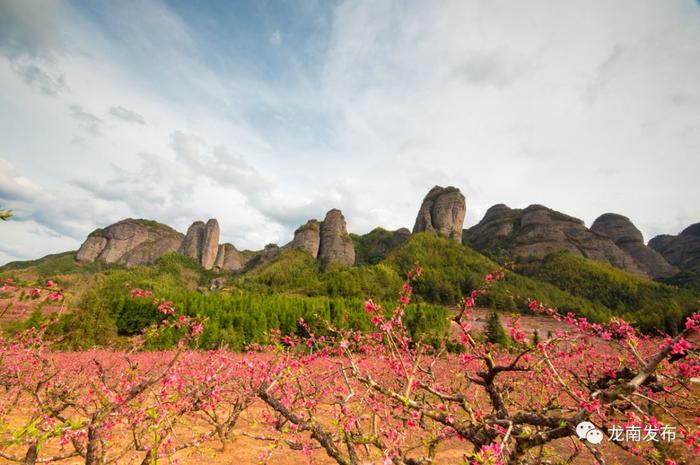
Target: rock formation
<point x="682" y="250"/>
<point x="202" y="242"/>
<point x="307" y="237"/>
<point x="442" y="211"/>
<point x="627" y="237"/>
<point x="192" y="245"/>
<point x="335" y="245"/>
<point x="220" y="258"/>
<point x="494" y="230"/>
<point x="538" y="230"/>
<point x="269" y="252"/>
<point x="210" y="244"/>
<point x="92" y="247"/>
<point x="228" y="258"/>
<point x="130" y="242"/>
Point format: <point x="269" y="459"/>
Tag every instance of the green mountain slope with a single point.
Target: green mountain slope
<point x="649" y="304"/>
<point x="294" y="281"/>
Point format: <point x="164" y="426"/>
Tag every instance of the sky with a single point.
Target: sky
<point x="264" y="114"/>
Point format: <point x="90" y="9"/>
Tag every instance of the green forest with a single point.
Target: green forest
<point x="275" y="294"/>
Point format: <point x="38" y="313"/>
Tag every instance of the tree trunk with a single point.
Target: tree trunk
<point x="32" y="454"/>
<point x="93" y="455"/>
<point x="150" y="456"/>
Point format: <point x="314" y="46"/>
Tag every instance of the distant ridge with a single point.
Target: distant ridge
<point x="534" y="231"/>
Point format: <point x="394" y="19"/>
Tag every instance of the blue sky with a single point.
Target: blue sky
<point x="265" y="114"/>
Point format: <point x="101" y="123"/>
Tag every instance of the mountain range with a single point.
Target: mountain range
<point x="502" y="233"/>
<point x="600" y="272"/>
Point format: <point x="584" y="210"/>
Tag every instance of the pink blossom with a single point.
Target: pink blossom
<point x="166" y="308"/>
<point x="681" y="347"/>
<point x="55" y="296"/>
<point x="590" y="406"/>
<point x="140" y="293"/>
<point x="370" y="306"/>
<point x="693" y="322"/>
<point x="517" y="335"/>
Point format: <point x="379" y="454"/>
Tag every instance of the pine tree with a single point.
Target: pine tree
<point x="495" y="333"/>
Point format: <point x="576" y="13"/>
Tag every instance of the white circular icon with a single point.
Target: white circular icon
<point x="595" y="436"/>
<point x="583" y="428"/>
<point x="587" y="430"/>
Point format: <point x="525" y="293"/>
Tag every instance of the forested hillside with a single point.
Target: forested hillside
<point x="274" y="294"/>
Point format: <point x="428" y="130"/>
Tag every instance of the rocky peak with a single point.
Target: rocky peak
<point x="618" y="228"/>
<point x="497" y="211"/>
<point x="539" y="214"/>
<point x="210" y="244"/>
<point x="307" y="237"/>
<point x="192" y="245"/>
<point x="442" y="212"/>
<point x="538" y="230"/>
<point x="130" y="242"/>
<point x="335" y="245"/>
<point x="683" y="250"/>
<point x="494" y="229"/>
<point x="228" y="258"/>
<point x="202" y="242"/>
<point x="692" y="230"/>
<point x="626" y="236"/>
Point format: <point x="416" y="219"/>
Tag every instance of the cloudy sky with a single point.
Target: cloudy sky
<point x="265" y="114"/>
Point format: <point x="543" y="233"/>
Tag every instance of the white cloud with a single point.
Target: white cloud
<point x="87" y="120"/>
<point x="41" y="79"/>
<point x="30" y="39"/>
<point x="127" y="115"/>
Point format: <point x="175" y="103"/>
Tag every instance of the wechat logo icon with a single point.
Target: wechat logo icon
<point x="587" y="430"/>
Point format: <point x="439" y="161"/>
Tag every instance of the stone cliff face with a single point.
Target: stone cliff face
<point x="626" y="236"/>
<point x="142" y="242"/>
<point x="682" y="250"/>
<point x="210" y="245"/>
<point x="307" y="237"/>
<point x="202" y="242"/>
<point x="494" y="230"/>
<point x="192" y="245"/>
<point x="220" y="257"/>
<point x="130" y="242"/>
<point x="230" y="259"/>
<point x="442" y="212"/>
<point x="327" y="241"/>
<point x="538" y="230"/>
<point x="335" y="245"/>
